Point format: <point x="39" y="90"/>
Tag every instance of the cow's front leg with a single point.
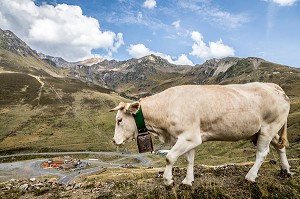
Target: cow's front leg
<point x="183" y="145"/>
<point x="190" y="155"/>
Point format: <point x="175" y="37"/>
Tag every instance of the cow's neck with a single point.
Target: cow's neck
<point x="149" y="117"/>
<point x="153" y="119"/>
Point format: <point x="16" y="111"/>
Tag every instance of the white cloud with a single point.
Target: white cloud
<point x="60" y="30"/>
<point x="183" y="60"/>
<point x="140" y="50"/>
<point x="285" y="2"/>
<point x="213" y="50"/>
<point x="176" y="24"/>
<point x="150" y="4"/>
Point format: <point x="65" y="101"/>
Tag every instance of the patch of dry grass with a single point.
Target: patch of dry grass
<point x="220" y="182"/>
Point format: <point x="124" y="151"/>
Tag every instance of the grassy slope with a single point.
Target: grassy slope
<point x="69" y="116"/>
<point x="27" y="64"/>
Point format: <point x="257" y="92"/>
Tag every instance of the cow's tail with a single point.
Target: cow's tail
<point x="283" y="140"/>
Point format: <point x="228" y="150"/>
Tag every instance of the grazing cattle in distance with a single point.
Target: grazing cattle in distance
<point x="186" y="116"/>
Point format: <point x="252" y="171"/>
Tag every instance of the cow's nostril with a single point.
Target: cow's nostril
<point x="114" y="141"/>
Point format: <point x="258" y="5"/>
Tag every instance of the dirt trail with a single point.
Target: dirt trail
<point x="40" y="89"/>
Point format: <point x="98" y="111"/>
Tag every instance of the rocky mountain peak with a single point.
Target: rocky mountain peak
<point x="149" y="58"/>
<point x="157" y="60"/>
<point x="10" y="42"/>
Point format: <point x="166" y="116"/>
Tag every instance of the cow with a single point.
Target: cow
<point x="188" y="115"/>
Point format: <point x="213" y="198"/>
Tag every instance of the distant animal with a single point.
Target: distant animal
<point x="186" y="116"/>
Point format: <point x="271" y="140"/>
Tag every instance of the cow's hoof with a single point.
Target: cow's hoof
<point x="169" y="183"/>
<point x="185" y="186"/>
<point x="285" y="173"/>
<point x="187" y="182"/>
<point x="169" y="187"/>
<point x="248" y="182"/>
<point x="250" y="178"/>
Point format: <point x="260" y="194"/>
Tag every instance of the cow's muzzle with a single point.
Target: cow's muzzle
<point x="116" y="143"/>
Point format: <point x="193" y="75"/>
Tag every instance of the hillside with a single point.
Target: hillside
<point x="53" y="114"/>
<point x="17" y="56"/>
<point x="40" y="110"/>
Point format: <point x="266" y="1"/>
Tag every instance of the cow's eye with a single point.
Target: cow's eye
<point x="119" y="121"/>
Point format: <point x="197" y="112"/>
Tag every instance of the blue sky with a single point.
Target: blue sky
<point x="183" y="32"/>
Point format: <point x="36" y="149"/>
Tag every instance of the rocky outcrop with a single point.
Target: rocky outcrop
<point x="222" y="65"/>
<point x="10" y="42"/>
<point x="56" y="61"/>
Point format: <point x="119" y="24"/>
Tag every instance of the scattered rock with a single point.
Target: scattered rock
<point x="77" y="186"/>
<point x="32" y="179"/>
<point x="24" y="187"/>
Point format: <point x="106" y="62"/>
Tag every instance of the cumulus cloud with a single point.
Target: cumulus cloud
<point x="183" y="60"/>
<point x="60" y="30"/>
<point x="213" y="50"/>
<point x="150" y="4"/>
<point x="140" y="50"/>
<point x="285" y="2"/>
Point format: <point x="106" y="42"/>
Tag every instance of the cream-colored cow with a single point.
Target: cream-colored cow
<point x="185" y="116"/>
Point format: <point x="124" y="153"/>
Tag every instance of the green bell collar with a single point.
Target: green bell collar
<point x="139" y="121"/>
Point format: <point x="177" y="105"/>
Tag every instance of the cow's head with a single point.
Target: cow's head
<point x="125" y="124"/>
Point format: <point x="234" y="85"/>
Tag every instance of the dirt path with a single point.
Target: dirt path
<point x="40" y="89"/>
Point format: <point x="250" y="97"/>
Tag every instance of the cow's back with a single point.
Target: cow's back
<point x="221" y="112"/>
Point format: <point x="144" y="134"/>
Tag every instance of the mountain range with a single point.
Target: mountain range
<point x="49" y="104"/>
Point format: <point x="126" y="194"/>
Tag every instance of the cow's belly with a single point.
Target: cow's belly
<point x="230" y="127"/>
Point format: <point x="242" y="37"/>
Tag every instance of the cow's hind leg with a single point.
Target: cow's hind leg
<point x="262" y="150"/>
<point x="182" y="146"/>
<point x="282" y="154"/>
<point x="190" y="155"/>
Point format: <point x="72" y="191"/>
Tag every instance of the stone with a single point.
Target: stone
<point x="24" y="187"/>
<point x="32" y="179"/>
<point x="77" y="185"/>
<point x="52" y="180"/>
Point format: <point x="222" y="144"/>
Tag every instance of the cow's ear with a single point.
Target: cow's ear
<point x="133" y="107"/>
<point x="121" y="106"/>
